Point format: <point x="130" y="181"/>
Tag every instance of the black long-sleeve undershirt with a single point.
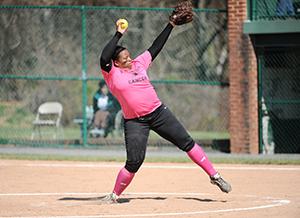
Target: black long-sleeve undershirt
<point x="108" y="52"/>
<point x="160" y="41"/>
<point x="155" y="48"/>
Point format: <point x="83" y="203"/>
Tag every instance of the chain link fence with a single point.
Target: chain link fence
<point x="280" y="100"/>
<point x="51" y="54"/>
<point x="274" y="9"/>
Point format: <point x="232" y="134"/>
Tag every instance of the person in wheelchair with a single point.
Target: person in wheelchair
<point x="105" y="107"/>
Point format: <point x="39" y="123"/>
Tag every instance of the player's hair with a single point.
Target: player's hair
<point x="117" y="51"/>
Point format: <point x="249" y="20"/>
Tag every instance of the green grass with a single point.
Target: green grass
<point x="200" y="135"/>
<point x="253" y="160"/>
<point x="20" y="132"/>
<point x="16" y="124"/>
<point x="2" y="110"/>
<point x="24" y="132"/>
<point x="59" y="157"/>
<point x="18" y="116"/>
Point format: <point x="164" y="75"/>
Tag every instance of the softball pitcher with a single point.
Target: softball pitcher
<point x="143" y="111"/>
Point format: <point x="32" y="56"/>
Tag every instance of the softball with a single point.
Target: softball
<point x="123" y="23"/>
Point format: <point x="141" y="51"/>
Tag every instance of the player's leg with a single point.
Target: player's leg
<point x="200" y="158"/>
<point x="167" y="126"/>
<point x="136" y="136"/>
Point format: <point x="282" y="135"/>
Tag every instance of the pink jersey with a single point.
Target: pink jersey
<point x="132" y="87"/>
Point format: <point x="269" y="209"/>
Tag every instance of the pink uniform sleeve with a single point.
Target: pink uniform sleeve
<point x="145" y="59"/>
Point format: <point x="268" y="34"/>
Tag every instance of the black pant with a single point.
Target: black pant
<point x="164" y="123"/>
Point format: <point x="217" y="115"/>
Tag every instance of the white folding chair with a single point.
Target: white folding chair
<point x="48" y="115"/>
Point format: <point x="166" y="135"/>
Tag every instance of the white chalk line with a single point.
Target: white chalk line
<point x="274" y="203"/>
<point x="149" y="166"/>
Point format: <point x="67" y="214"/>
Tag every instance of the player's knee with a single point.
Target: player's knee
<point x="133" y="166"/>
<point x="188" y="145"/>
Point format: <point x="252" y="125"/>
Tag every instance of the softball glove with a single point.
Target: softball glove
<point x="182" y="13"/>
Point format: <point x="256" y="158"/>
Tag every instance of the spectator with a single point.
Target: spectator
<point x="105" y="108"/>
<point x="285" y="7"/>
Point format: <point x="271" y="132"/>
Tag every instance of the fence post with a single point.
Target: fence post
<point x="260" y="97"/>
<point x="249" y="9"/>
<point x="254" y="10"/>
<point x="83" y="72"/>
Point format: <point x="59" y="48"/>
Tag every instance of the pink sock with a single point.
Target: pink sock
<point x="123" y="180"/>
<point x="199" y="157"/>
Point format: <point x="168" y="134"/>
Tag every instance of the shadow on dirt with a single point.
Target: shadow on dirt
<point x="127" y="200"/>
<point x="201" y="200"/>
<point x="120" y="200"/>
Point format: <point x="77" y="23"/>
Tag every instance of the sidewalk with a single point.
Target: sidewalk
<point x="119" y="152"/>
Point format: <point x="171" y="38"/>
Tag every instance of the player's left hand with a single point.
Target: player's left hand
<point x="182" y="13"/>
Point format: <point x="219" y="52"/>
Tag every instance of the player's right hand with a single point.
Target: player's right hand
<point x="119" y="29"/>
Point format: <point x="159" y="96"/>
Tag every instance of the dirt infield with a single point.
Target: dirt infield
<point x="71" y="189"/>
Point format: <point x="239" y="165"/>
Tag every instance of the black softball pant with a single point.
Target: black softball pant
<point x="161" y="121"/>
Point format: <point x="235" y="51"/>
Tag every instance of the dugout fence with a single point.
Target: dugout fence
<point x="51" y="53"/>
<point x="277" y="51"/>
<point x="279" y="98"/>
<point x="273" y="9"/>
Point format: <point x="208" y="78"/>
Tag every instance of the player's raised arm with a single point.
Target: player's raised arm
<point x="160" y="41"/>
<point x="109" y="49"/>
<point x="181" y="14"/>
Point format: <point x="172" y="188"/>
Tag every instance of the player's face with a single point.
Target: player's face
<point x="124" y="59"/>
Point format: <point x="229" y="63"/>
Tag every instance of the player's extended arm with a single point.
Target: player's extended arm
<point x="108" y="51"/>
<point x="160" y="41"/>
<point x="181" y="14"/>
